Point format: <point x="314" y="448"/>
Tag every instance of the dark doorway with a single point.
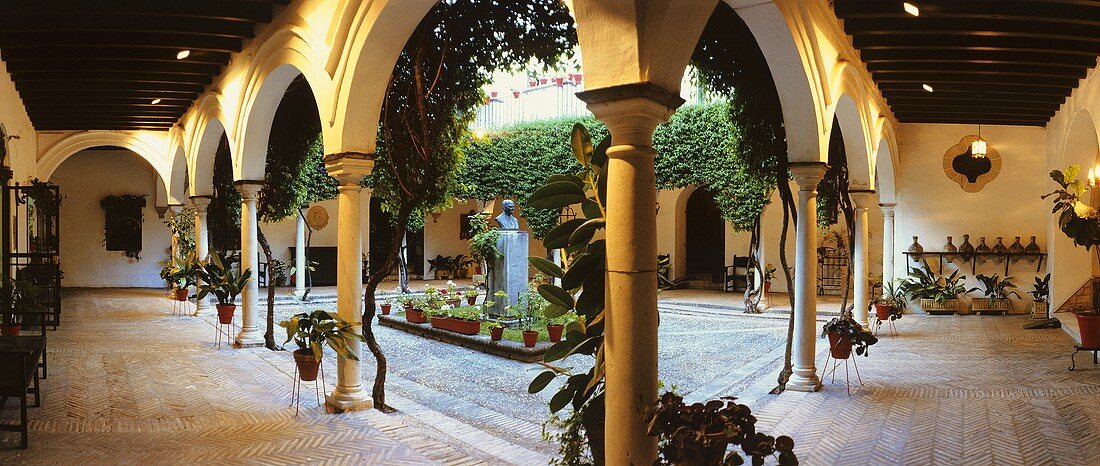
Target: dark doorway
<point x="381" y="242"/>
<point x="706" y="242"/>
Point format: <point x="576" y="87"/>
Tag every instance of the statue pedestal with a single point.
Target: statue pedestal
<point x="510" y="271"/>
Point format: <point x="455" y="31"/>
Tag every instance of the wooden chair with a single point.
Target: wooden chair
<point x="737" y="274"/>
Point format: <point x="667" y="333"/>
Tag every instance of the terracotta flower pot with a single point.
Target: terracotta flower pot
<point x="386" y="309"/>
<point x="529" y="338"/>
<point x="225" y="313"/>
<point x="454" y="302"/>
<point x="496" y="333"/>
<point x="415" y="316"/>
<point x="408" y="307"/>
<point x="181" y="295"/>
<point x="465" y="327"/>
<point x="1090" y="330"/>
<point x="471" y="301"/>
<point x="767" y="287"/>
<point x="840" y="348"/>
<point x="307" y="365"/>
<point x="10" y="330"/>
<point x="555" y="331"/>
<point x="883" y="311"/>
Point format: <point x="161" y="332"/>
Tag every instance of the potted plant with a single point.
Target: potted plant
<point x="555" y="326"/>
<point x="700" y="434"/>
<point x="385" y="306"/>
<point x="1079" y="222"/>
<point x="415" y="314"/>
<point x="937" y="295"/>
<point x="496" y="331"/>
<point x="463" y="319"/>
<point x="23" y="298"/>
<point x="471" y="295"/>
<point x="222" y="281"/>
<point x="280" y="271"/>
<point x="311" y="332"/>
<point x="769" y="275"/>
<point x="890" y="304"/>
<point x="997" y="290"/>
<point x="406" y="302"/>
<point x="183" y="275"/>
<point x="844" y="334"/>
<point x="1040" y="292"/>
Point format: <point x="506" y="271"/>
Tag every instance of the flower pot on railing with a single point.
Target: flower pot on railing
<point x="307" y="364"/>
<point x="225" y="313"/>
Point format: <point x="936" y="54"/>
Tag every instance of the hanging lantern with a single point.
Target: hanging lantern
<point x="978" y="148"/>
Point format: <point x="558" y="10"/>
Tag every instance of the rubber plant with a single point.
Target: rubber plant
<point x="996" y="287"/>
<point x="313" y="330"/>
<point x="582" y="276"/>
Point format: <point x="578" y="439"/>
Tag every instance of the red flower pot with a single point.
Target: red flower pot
<point x="767" y="287"/>
<point x="555" y="331"/>
<point x="515" y="94"/>
<point x="883" y="311"/>
<point x="1090" y="330"/>
<point x="10" y="330"/>
<point x="225" y="313"/>
<point x="529" y="338"/>
<point x="408" y="307"/>
<point x="840" y="348"/>
<point x="454" y="302"/>
<point x="181" y="295"/>
<point x="307" y="365"/>
<point x="493" y="94"/>
<point x="496" y="333"/>
<point x="386" y="309"/>
<point x="465" y="327"/>
<point x="415" y="316"/>
<point x="471" y="301"/>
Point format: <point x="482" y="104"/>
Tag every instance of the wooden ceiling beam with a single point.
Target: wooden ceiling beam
<point x="974" y="88"/>
<point x="871" y="56"/>
<point x="1014" y="27"/>
<point x="969" y="101"/>
<point x="1084" y="12"/>
<point x="178" y="67"/>
<point x="111" y="76"/>
<point x="965" y="67"/>
<point x="964" y="43"/>
<point x="173" y="41"/>
<point x="972" y="77"/>
<point x="84" y="52"/>
<point x="49" y="86"/>
<point x="913" y="92"/>
<point x="225" y="10"/>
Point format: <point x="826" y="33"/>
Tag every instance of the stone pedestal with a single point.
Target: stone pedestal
<point x="510" y="271"/>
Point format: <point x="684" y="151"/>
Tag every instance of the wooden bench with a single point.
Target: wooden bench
<point x="19" y="376"/>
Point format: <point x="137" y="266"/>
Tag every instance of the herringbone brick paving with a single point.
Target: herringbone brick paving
<point x="952" y="390"/>
<point x="129" y="384"/>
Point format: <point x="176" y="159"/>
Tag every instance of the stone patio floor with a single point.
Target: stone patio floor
<point x="129" y="383"/>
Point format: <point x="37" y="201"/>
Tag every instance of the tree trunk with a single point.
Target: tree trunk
<point x="378" y="391"/>
<point x="269" y="335"/>
<point x="790" y="215"/>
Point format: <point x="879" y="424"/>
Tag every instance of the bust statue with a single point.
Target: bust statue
<point x="508" y="220"/>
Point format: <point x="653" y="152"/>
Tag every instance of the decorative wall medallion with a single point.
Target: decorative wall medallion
<point x="971" y="173"/>
<point x="317" y="218"/>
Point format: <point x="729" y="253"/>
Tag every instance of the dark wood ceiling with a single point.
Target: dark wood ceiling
<point x="1007" y="62"/>
<point x="81" y="64"/>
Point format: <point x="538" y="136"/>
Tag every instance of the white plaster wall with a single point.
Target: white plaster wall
<point x="281" y="235"/>
<point x="931" y="206"/>
<point x="441" y="235"/>
<point x="85" y="179"/>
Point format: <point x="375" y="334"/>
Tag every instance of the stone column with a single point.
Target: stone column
<point x="887" y="242"/>
<point x="251" y="334"/>
<point x="202" y="246"/>
<point x="174" y="210"/>
<point x="860" y="264"/>
<point x="804" y="378"/>
<point x="349" y="168"/>
<point x="631" y="113"/>
<point x="300" y="253"/>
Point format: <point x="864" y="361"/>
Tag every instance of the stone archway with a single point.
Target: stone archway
<point x="705" y="241"/>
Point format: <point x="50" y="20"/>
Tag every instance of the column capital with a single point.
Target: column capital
<point x="808" y="174"/>
<point x="887" y="208"/>
<point x="349" y="168"/>
<point x="862" y="198"/>
<point x="632" y="111"/>
<point x="249" y="189"/>
<point x="201" y="202"/>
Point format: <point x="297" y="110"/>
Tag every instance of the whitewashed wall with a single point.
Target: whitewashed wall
<point x="85" y="179"/>
<point x="931" y="207"/>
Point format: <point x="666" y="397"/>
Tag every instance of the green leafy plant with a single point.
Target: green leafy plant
<point x="182" y="227"/>
<point x="122" y="219"/>
<point x="848" y="328"/>
<point x="769" y="273"/>
<point x="581" y="290"/>
<point x="221" y="280"/>
<point x="184" y="272"/>
<point x="894" y="297"/>
<point x="1077" y="220"/>
<point x="20" y="297"/>
<point x="312" y="331"/>
<point x="996" y="288"/>
<point x="1040" y="291"/>
<point x="700" y="434"/>
<point x="923" y="283"/>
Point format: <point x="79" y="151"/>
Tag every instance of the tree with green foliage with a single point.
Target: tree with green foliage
<point x="294" y="174"/>
<point x="430" y="100"/>
<point x="223" y="219"/>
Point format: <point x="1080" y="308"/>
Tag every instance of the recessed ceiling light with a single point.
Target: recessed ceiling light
<point x="183" y="54"/>
<point x="911" y="9"/>
<point x="156" y="101"/>
<point x="927" y="87"/>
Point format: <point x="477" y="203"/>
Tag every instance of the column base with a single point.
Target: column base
<point x="804" y="383"/>
<point x="299" y="293"/>
<point x="203" y="308"/>
<point x="340" y="401"/>
<point x="248" y="339"/>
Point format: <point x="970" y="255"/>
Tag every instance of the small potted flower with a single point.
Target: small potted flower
<point x="385" y="306"/>
<point x="183" y="275"/>
<point x="844" y="333"/>
<point x="471" y="295"/>
<point x="496" y="331"/>
<point x="529" y="308"/>
<point x="220" y="280"/>
<point x="415" y="314"/>
<point x="311" y="332"/>
<point x="555" y="326"/>
<point x="769" y="275"/>
<point x="405" y="301"/>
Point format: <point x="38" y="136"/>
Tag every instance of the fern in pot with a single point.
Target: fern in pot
<point x="311" y="332"/>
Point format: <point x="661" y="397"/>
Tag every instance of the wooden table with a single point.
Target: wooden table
<point x="19" y="369"/>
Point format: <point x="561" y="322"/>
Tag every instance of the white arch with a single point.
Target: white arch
<point x="281" y="59"/>
<point x="885" y="175"/>
<point x="206" y="135"/>
<point x="177" y="182"/>
<point x="146" y="145"/>
<point x="856" y="148"/>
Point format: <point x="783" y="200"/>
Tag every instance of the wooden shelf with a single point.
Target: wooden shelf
<point x="1008" y="258"/>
